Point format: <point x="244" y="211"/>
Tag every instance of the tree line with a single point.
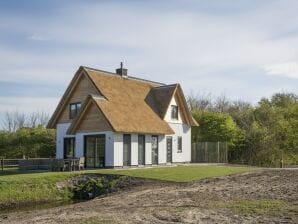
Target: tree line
<point x="264" y="134"/>
<point x="261" y="134"/>
<point x="24" y="135"/>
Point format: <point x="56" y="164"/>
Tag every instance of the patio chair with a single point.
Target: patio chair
<point x="81" y="163"/>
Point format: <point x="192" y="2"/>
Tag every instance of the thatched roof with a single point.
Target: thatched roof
<point x="131" y="105"/>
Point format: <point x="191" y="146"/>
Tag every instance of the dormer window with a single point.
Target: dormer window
<point x="174" y="112"/>
<point x="74" y="108"/>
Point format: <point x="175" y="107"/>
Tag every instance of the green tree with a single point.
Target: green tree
<point x="214" y="127"/>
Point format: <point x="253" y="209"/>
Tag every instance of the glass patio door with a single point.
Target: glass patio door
<point x="126" y="150"/>
<point x="154" y="149"/>
<point x="95" y="151"/>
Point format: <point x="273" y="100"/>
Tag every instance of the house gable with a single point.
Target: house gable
<point x="127" y="105"/>
<point x="93" y="120"/>
<point x="184" y="115"/>
<point x="168" y="117"/>
<point x="79" y="88"/>
<point x="159" y="98"/>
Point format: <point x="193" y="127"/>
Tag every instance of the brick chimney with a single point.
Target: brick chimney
<point x="121" y="71"/>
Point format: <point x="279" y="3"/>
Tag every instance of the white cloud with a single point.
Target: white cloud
<point x="200" y="48"/>
<point x="287" y="69"/>
<point x="39" y="37"/>
<point x="28" y="104"/>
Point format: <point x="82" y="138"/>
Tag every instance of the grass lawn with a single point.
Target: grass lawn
<point x="19" y="188"/>
<point x="181" y="173"/>
<point x="270" y="207"/>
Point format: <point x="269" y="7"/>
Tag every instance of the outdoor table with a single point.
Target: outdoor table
<point x="71" y="163"/>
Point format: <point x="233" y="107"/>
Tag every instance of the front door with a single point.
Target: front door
<point x="141" y="149"/>
<point x="169" y="149"/>
<point x="126" y="150"/>
<point x="95" y="151"/>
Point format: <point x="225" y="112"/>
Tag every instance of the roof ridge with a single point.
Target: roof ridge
<point x="164" y="86"/>
<point x="146" y="80"/>
<point x="97" y="96"/>
<point x="128" y="77"/>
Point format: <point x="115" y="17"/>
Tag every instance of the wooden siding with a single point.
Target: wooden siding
<point x="93" y="120"/>
<point x="83" y="88"/>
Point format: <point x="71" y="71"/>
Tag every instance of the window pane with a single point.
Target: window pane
<point x="154" y="150"/>
<point x="141" y="149"/>
<point x="78" y="107"/>
<point x="69" y="148"/>
<point x="174" y="112"/>
<point x="179" y="142"/>
<point x="74" y="108"/>
<point x="126" y="150"/>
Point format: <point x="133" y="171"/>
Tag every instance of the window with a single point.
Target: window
<point x="141" y="150"/>
<point x="126" y="150"/>
<point x="179" y="144"/>
<point x="154" y="152"/>
<point x="74" y="108"/>
<point x="69" y="148"/>
<point x="174" y="112"/>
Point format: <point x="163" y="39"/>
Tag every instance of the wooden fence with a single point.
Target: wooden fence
<point x="209" y="152"/>
<point x="23" y="164"/>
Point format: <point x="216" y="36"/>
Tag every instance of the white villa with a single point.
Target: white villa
<point x="117" y="120"/>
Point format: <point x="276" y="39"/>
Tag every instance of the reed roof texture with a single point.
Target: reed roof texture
<point x="131" y="105"/>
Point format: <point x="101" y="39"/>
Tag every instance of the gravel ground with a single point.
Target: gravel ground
<point x="198" y="202"/>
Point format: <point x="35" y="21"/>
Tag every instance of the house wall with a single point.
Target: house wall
<point x="148" y="150"/>
<point x="93" y="120"/>
<point x="109" y="152"/>
<point x="61" y="130"/>
<point x="184" y="131"/>
<point x="79" y="146"/>
<point x="162" y="150"/>
<point x="118" y="149"/>
<point x="114" y="145"/>
<point x="168" y="117"/>
<point x="134" y="150"/>
<point x="83" y="88"/>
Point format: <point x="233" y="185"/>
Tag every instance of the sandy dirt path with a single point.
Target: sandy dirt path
<point x="198" y="202"/>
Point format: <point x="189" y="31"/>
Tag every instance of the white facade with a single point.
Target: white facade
<point x="114" y="143"/>
<point x="60" y="135"/>
<point x="168" y="117"/>
<point x="181" y="130"/>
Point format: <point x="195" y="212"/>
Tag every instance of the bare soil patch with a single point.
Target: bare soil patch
<point x="205" y="201"/>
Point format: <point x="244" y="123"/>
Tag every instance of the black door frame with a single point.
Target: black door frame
<point x="74" y="146"/>
<point x="171" y="139"/>
<point x="143" y="136"/>
<point x="85" y="144"/>
<point x="157" y="156"/>
<point x="129" y="161"/>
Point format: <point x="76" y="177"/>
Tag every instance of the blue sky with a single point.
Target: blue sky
<point x="243" y="49"/>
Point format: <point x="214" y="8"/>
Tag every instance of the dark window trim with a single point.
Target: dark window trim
<point x="144" y="148"/>
<point x="130" y="147"/>
<point x="169" y="137"/>
<point x="76" y="104"/>
<point x="157" y="148"/>
<point x="74" y="146"/>
<point x="85" y="144"/>
<point x="179" y="150"/>
<point x="174" y="116"/>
